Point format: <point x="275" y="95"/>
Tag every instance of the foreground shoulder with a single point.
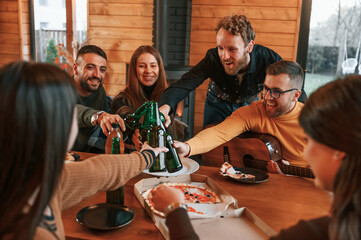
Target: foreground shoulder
<point x="306" y="230"/>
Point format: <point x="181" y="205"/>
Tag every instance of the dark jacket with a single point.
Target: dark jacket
<point x="211" y="67"/>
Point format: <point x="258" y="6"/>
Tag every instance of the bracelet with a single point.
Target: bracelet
<point x="175" y="206"/>
<point x="94" y="118"/>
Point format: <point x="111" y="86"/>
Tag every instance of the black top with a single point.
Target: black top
<point x="211" y="67"/>
<point x="179" y="225"/>
<point x="314" y="229"/>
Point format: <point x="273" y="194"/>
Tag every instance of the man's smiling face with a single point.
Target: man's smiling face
<point x="286" y="101"/>
<point x="233" y="52"/>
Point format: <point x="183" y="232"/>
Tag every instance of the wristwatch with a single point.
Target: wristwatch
<point x="94" y="118"/>
<point x="174" y="206"/>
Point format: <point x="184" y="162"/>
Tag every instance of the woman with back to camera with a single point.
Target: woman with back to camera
<point x="146" y="81"/>
<point x="37" y="126"/>
<point x="331" y="121"/>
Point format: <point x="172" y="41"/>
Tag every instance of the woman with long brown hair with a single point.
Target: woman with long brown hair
<point x="37" y="126"/>
<point x="146" y="81"/>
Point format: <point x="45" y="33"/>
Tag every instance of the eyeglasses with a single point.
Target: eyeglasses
<point x="274" y="92"/>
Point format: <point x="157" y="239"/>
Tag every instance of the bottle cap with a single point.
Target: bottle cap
<point x="115" y="125"/>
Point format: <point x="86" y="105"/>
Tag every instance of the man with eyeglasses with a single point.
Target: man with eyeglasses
<point x="276" y="114"/>
<point x="93" y="105"/>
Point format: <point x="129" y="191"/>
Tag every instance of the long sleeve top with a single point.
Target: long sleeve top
<point x="211" y="67"/>
<point x="83" y="179"/>
<point x="87" y="107"/>
<point x="254" y="118"/>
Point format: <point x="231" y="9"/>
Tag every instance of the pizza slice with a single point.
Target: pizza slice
<point x="192" y="194"/>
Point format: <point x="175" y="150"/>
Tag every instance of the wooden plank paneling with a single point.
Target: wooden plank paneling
<point x="120" y="45"/>
<point x="121" y="1"/>
<point x="116" y="78"/>
<point x="121" y="21"/>
<point x="116" y="67"/>
<point x="266" y="39"/>
<point x="14" y="41"/>
<point x="119" y="27"/>
<point x="121" y="9"/>
<point x="260" y="3"/>
<point x="119" y="56"/>
<point x="271" y="26"/>
<point x="7" y="58"/>
<point x="8" y="6"/>
<point x="9" y="49"/>
<point x="12" y="38"/>
<point x="260" y="13"/>
<point x="275" y="22"/>
<point x="9" y="28"/>
<point x="120" y="33"/>
<point x="8" y="17"/>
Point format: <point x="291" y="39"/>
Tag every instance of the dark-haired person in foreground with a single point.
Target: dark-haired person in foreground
<point x="35" y="184"/>
<point x="331" y="121"/>
<point x="93" y="105"/>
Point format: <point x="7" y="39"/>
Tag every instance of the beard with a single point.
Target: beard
<point x="274" y="109"/>
<point x="238" y="65"/>
<point x="84" y="84"/>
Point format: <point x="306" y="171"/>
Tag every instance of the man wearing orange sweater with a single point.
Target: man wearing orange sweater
<point x="276" y="114"/>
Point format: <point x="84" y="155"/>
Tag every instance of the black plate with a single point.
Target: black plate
<point x="261" y="176"/>
<point x="76" y="156"/>
<point x="105" y="216"/>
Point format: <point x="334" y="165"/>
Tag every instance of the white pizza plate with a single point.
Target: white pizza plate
<point x="189" y="166"/>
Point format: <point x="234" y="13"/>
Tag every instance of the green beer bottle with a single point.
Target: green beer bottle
<point x="115" y="140"/>
<point x="144" y="131"/>
<point x="131" y="121"/>
<point x="173" y="162"/>
<point x="157" y="138"/>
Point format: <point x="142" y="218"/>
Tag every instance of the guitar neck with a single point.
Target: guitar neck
<point x="286" y="169"/>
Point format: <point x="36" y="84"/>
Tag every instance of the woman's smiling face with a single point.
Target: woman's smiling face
<point x="147" y="69"/>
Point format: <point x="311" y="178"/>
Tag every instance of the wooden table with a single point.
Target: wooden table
<point x="280" y="202"/>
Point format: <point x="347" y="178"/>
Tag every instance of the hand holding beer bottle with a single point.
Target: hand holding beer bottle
<point x="115" y="145"/>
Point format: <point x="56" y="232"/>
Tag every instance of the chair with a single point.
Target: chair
<point x="349" y="64"/>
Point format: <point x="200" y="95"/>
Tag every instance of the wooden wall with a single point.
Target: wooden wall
<point x="275" y="22"/>
<point x="14" y="31"/>
<point x="119" y="27"/>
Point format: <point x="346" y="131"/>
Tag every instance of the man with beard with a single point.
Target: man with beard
<point x="235" y="68"/>
<point x="276" y="114"/>
<point x="93" y="106"/>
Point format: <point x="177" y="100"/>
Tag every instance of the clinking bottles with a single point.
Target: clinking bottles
<point x="131" y="121"/>
<point x="157" y="138"/>
<point x="115" y="145"/>
<point x="144" y="131"/>
<point x="172" y="163"/>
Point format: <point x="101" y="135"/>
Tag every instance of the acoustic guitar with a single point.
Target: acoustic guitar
<point x="254" y="150"/>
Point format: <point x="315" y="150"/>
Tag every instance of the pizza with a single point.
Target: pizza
<point x="228" y="170"/>
<point x="69" y="157"/>
<point x="192" y="194"/>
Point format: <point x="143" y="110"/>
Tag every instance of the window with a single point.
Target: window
<point x="333" y="42"/>
<point x="44" y="25"/>
<point x="43" y="2"/>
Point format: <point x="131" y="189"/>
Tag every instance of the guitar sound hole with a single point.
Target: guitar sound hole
<point x="248" y="160"/>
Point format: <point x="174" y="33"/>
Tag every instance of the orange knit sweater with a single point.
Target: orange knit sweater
<point x="254" y="118"/>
